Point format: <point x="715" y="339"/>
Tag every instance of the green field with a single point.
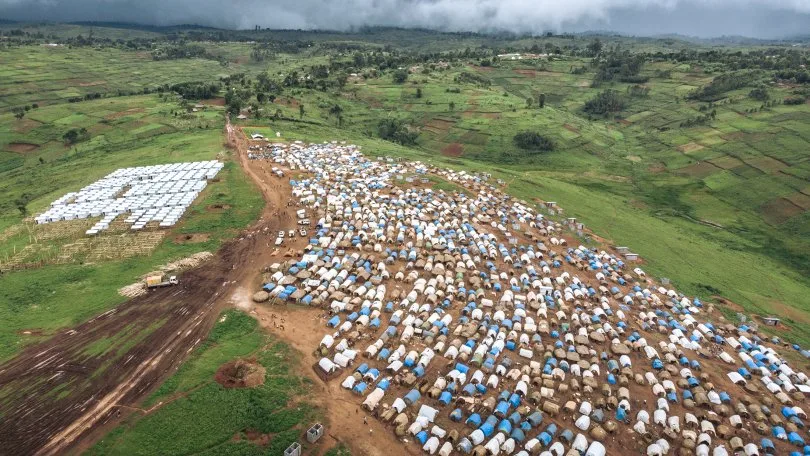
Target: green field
<point x="196" y="415"/>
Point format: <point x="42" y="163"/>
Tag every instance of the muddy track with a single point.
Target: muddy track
<point x="57" y="395"/>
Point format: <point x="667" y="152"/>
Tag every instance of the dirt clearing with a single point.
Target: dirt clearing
<point x="779" y="210"/>
<point x="219" y="101"/>
<point x="240" y="374"/>
<point x="192" y="238"/>
<point x="689" y="147"/>
<point x="22" y="148"/>
<point x="26" y="125"/>
<point x="453" y="150"/>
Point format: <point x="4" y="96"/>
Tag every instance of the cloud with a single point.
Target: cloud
<point x="765" y="18"/>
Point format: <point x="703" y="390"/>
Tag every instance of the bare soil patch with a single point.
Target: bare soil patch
<point x="289" y="102"/>
<point x="218" y="101"/>
<point x="571" y="128"/>
<point x="453" y="150"/>
<point x="440" y="124"/>
<point x="192" y="238"/>
<point x="241" y="373"/>
<point x="689" y="147"/>
<point x="217" y="207"/>
<point x="700" y="169"/>
<point x="483" y="69"/>
<point x="526" y="72"/>
<point x="91" y="83"/>
<point x="25" y="125"/>
<point x="118" y="115"/>
<point x="779" y="210"/>
<point x="22" y="148"/>
<point x="624" y="122"/>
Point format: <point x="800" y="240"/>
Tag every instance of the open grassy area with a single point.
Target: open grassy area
<point x="36" y="302"/>
<point x="199" y="416"/>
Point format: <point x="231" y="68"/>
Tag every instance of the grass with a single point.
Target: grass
<point x="60" y="295"/>
<point x="201" y="417"/>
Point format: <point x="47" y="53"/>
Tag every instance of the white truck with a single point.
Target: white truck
<point x="159" y="281"/>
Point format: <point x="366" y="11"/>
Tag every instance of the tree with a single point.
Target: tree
<point x="395" y="130"/>
<point x="400" y="76"/>
<point x="452" y="106"/>
<point x="277" y="114"/>
<point x="341" y="79"/>
<point x="19" y="113"/>
<point x="254" y="108"/>
<point x="301" y="111"/>
<point x="533" y="141"/>
<point x="418" y="92"/>
<point x="541" y="100"/>
<point x="594" y="47"/>
<point x="22" y="206"/>
<point x="75" y="135"/>
<point x="529" y="102"/>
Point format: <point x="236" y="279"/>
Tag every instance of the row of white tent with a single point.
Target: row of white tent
<point x="160" y="193"/>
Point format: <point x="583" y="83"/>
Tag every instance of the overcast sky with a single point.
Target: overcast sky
<point x="705" y="18"/>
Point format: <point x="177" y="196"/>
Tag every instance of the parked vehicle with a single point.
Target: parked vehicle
<point x="158" y="281"/>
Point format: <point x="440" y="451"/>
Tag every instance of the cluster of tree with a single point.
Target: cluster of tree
<point x="618" y="65"/>
<point x="699" y="120"/>
<point x="578" y="70"/>
<point x="86" y="97"/>
<point x="797" y="76"/>
<point x="759" y="93"/>
<point x="75" y="135"/>
<point x="19" y="112"/>
<point x="236" y="99"/>
<point x="774" y="58"/>
<point x="605" y="102"/>
<point x="532" y="141"/>
<point x="793" y="100"/>
<point x="399" y="76"/>
<point x="723" y="83"/>
<point x="193" y="90"/>
<point x="261" y="52"/>
<point x="466" y="77"/>
<point x="179" y="51"/>
<point x="541" y="101"/>
<point x="397" y="131"/>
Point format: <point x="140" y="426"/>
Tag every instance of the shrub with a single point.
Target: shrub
<point x="400" y="76"/>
